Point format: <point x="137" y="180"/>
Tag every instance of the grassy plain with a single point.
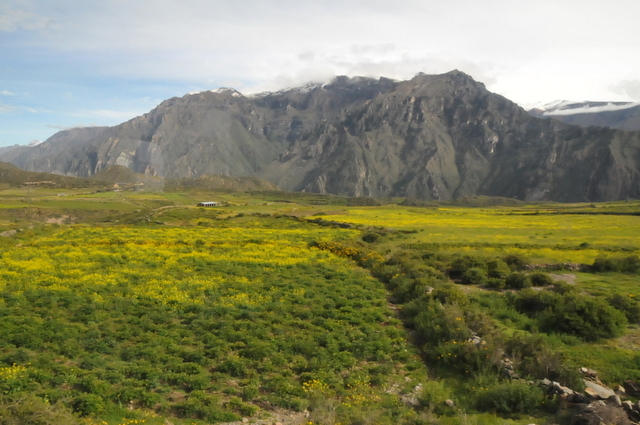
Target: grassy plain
<point x="541" y="234"/>
<point x="125" y="305"/>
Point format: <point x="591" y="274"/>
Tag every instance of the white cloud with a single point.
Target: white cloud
<point x="7" y="93"/>
<point x="630" y="88"/>
<point x="527" y="51"/>
<point x="566" y="109"/>
<point x="4" y="108"/>
<point x="14" y="19"/>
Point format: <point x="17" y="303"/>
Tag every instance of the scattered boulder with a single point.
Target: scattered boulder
<point x="565" y="391"/>
<point x="411" y="398"/>
<point x="449" y="403"/>
<point x="615" y="400"/>
<point x="589" y="374"/>
<point x="578" y="398"/>
<point x="598" y="413"/>
<point x="602" y="391"/>
<point x="632" y="388"/>
<point x="592" y="394"/>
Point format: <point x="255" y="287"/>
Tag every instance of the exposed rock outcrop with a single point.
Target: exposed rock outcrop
<point x="432" y="137"/>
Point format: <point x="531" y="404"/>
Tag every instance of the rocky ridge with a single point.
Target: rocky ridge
<point x="433" y="137"/>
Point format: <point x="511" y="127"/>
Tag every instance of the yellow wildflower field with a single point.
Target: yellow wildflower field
<point x="168" y="265"/>
<point x="541" y="235"/>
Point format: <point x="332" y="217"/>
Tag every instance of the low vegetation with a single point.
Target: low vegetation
<point x="131" y="306"/>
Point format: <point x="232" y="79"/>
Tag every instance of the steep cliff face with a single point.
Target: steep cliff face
<point x="441" y="137"/>
<point x="433" y="137"/>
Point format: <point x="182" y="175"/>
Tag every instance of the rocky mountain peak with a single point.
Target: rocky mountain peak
<point x="431" y="137"/>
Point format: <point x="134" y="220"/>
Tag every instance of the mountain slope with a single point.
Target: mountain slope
<point x="14" y="176"/>
<point x="432" y="137"/>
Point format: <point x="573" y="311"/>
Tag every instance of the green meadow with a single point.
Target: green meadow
<point x="125" y="306"/>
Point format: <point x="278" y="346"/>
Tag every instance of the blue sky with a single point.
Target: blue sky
<point x="68" y="63"/>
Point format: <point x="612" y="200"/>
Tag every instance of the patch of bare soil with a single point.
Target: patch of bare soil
<point x="631" y="340"/>
<point x="565" y="277"/>
<point x="58" y="220"/>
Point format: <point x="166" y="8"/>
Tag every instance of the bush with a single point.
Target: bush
<point x="450" y="294"/>
<point x="462" y="264"/>
<point x="517" y="280"/>
<point x="516" y="262"/>
<point x="589" y="318"/>
<point x="32" y="410"/>
<point x="434" y="394"/>
<point x="498" y="269"/>
<point x="628" y="305"/>
<point x="370" y="237"/>
<point x="474" y="276"/>
<point x="495" y="283"/>
<point x="630" y="264"/>
<point x="531" y="302"/>
<point x="511" y="398"/>
<point x="538" y="360"/>
<point x="541" y="279"/>
<point x="88" y="404"/>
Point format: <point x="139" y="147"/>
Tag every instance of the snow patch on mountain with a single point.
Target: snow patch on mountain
<point x="221" y="90"/>
<point x="568" y="107"/>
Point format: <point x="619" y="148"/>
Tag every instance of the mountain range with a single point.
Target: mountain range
<point x="620" y="115"/>
<point x="432" y="137"/>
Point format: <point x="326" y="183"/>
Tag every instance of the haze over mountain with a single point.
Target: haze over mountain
<point x="431" y="137"/>
<point x="620" y="115"/>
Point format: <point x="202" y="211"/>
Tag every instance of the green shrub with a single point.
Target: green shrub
<point x="513" y="397"/>
<point x="449" y="293"/>
<point x="564" y="288"/>
<point x="630" y="264"/>
<point x="250" y="392"/>
<point x="538" y="360"/>
<point x="498" y="269"/>
<point x="370" y="237"/>
<point x="462" y="264"/>
<point x="541" y="279"/>
<point x="589" y="318"/>
<point x="627" y="305"/>
<point x="237" y="405"/>
<point x="516" y="262"/>
<point x="32" y="410"/>
<point x="531" y="302"/>
<point x="474" y="276"/>
<point x="88" y="404"/>
<point x="517" y="280"/>
<point x="495" y="283"/>
<point x="433" y="395"/>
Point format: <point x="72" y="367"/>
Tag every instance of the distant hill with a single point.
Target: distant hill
<point x="466" y="201"/>
<point x="619" y="115"/>
<point x="14" y="176"/>
<point x="219" y="183"/>
<point x="125" y="177"/>
<point x="4" y="149"/>
<point x="434" y="137"/>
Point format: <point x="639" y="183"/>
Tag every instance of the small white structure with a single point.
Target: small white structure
<point x="208" y="204"/>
